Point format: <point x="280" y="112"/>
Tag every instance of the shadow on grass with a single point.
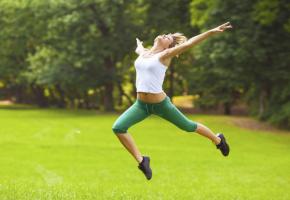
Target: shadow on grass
<point x="62" y="112"/>
<point x="18" y="107"/>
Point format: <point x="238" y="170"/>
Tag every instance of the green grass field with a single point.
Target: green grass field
<point x="59" y="154"/>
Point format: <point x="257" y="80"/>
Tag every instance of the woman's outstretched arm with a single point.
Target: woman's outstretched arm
<point x="171" y="52"/>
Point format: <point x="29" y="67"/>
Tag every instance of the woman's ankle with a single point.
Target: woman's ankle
<point x="139" y="159"/>
<point x="217" y="140"/>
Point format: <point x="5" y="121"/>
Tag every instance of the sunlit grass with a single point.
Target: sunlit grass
<point x="59" y="154"/>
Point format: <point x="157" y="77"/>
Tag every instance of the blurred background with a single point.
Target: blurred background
<point x="80" y="54"/>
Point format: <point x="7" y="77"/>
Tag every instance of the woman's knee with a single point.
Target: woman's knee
<point x="118" y="129"/>
<point x="191" y="126"/>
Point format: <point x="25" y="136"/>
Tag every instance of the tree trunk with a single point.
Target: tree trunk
<point x="39" y="96"/>
<point x="109" y="86"/>
<point x="19" y="94"/>
<point x="122" y="93"/>
<point x="108" y="97"/>
<point x="227" y="108"/>
<point x="87" y="104"/>
<point x="133" y="82"/>
<point x="262" y="98"/>
<point x="109" y="62"/>
<point x="61" y="100"/>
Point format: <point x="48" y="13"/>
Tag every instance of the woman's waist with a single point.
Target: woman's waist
<point x="151" y="97"/>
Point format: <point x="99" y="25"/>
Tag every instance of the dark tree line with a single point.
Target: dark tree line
<point x="80" y="53"/>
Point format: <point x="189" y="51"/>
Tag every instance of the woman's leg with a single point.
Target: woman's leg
<point x="134" y="114"/>
<point x="128" y="142"/>
<point x="206" y="132"/>
<point x="170" y="112"/>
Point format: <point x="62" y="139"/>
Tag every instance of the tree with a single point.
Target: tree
<point x="251" y="60"/>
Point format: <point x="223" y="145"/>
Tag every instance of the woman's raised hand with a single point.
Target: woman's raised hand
<point x="138" y="42"/>
<point x="222" y="27"/>
<point x="139" y="49"/>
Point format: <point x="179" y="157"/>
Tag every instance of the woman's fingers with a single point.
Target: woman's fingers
<point x="223" y="27"/>
<point x="138" y="41"/>
<point x="226" y="27"/>
<point x="225" y="24"/>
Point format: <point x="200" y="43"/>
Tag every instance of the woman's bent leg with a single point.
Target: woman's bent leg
<point x="170" y="112"/>
<point x="128" y="142"/>
<point x="206" y="132"/>
<point x="131" y="116"/>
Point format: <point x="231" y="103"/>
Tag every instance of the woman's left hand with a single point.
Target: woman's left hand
<point x="222" y="27"/>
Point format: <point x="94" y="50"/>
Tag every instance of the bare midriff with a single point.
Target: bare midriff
<point x="151" y="97"/>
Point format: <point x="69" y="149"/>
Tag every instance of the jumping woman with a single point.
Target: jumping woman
<point x="151" y="66"/>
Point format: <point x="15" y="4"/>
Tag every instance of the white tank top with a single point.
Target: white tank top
<point x="150" y="73"/>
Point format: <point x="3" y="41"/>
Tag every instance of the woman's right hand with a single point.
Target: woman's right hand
<point x="139" y="48"/>
<point x="139" y="42"/>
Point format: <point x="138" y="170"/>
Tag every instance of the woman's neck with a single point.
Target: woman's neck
<point x="156" y="49"/>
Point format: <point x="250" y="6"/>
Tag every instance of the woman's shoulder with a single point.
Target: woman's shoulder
<point x="162" y="59"/>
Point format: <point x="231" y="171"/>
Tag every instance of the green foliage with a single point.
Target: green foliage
<point x="61" y="52"/>
<point x="200" y="11"/>
<point x="72" y="45"/>
<point x="249" y="61"/>
<point x="266" y="11"/>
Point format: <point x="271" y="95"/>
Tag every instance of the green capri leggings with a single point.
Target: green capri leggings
<point x="141" y="110"/>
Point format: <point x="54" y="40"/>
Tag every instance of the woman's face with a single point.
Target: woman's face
<point x="164" y="40"/>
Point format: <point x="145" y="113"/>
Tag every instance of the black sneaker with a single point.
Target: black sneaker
<point x="223" y="146"/>
<point x="144" y="166"/>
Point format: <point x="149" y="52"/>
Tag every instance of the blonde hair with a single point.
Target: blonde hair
<point x="178" y="38"/>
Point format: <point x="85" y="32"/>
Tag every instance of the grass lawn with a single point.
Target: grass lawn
<point x="59" y="154"/>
